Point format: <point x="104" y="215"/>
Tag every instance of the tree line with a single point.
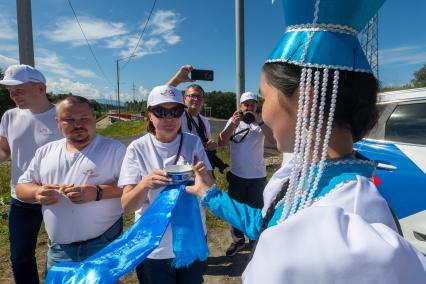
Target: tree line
<point x="217" y="103"/>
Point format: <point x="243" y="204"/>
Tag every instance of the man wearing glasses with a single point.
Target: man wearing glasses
<point x="193" y="121"/>
<point x="247" y="177"/>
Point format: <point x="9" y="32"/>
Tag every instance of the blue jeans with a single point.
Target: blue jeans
<point x="160" y="271"/>
<point x="24" y="224"/>
<point x="79" y="251"/>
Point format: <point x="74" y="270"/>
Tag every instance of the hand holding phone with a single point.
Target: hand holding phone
<point x="205" y="75"/>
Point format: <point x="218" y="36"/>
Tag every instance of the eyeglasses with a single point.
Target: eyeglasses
<point x="161" y="112"/>
<point x="195" y="97"/>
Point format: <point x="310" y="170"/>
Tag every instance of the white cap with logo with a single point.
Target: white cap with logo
<point x="21" y="74"/>
<point x="247" y="96"/>
<point x="165" y="94"/>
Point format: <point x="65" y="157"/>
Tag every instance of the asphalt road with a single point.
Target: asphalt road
<point x="217" y="126"/>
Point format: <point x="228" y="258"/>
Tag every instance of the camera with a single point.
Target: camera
<point x="205" y="75"/>
<point x="248" y="117"/>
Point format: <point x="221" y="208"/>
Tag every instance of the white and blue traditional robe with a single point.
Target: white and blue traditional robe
<point x="347" y="236"/>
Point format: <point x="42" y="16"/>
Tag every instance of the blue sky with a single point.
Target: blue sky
<point x="197" y="32"/>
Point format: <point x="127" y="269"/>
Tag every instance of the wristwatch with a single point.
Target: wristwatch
<point x="99" y="192"/>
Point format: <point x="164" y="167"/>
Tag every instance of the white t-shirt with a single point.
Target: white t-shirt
<point x="194" y="130"/>
<point x="98" y="163"/>
<point x="25" y="132"/>
<point x="146" y="154"/>
<point x="247" y="156"/>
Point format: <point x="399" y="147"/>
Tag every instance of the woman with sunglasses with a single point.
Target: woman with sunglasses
<point x="323" y="219"/>
<point x="143" y="178"/>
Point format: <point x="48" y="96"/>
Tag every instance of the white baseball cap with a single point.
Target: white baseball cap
<point x="247" y="96"/>
<point x="21" y="74"/>
<point x="165" y="94"/>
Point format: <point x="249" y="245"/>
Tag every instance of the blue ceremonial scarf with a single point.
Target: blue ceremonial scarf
<point x="172" y="206"/>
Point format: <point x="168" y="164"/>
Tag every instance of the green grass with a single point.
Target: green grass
<point x="4" y="200"/>
<point x="123" y="128"/>
<point x="4" y="183"/>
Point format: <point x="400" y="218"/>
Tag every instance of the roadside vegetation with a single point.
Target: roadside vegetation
<point x="123" y="128"/>
<point x="4" y="201"/>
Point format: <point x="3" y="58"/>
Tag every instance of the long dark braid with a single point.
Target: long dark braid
<point x="271" y="209"/>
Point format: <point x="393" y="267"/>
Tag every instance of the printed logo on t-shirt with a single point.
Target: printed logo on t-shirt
<point x="89" y="174"/>
<point x="181" y="160"/>
<point x="45" y="131"/>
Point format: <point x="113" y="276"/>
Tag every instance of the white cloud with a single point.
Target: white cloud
<point x="9" y="48"/>
<point x="5" y="61"/>
<point x="68" y="30"/>
<point x="116" y="42"/>
<point x="160" y="33"/>
<point x="51" y="62"/>
<point x="65" y="85"/>
<point x="164" y="24"/>
<point x="7" y="26"/>
<point x="406" y="55"/>
<point x="143" y="92"/>
<point x="146" y="47"/>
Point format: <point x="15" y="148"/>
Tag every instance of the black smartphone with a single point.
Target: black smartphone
<point x="205" y="75"/>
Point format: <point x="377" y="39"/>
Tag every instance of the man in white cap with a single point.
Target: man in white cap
<point x="22" y="130"/>
<point x="247" y="177"/>
<point x="192" y="120"/>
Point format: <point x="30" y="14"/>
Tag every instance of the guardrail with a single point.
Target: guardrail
<point x="125" y="116"/>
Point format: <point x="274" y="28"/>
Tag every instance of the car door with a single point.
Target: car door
<point x="401" y="167"/>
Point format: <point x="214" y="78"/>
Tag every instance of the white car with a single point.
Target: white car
<point x="398" y="145"/>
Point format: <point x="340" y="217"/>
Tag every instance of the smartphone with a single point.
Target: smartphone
<point x="205" y="75"/>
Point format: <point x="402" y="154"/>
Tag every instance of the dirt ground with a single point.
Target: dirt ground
<point x="220" y="269"/>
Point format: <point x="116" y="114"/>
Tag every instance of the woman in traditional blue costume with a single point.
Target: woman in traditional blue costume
<point x="323" y="220"/>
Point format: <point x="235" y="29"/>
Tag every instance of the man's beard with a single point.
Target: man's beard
<point x="78" y="139"/>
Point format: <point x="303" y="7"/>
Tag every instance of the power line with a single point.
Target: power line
<point x="88" y="44"/>
<point x="140" y="38"/>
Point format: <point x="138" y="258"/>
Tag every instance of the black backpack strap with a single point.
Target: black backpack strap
<point x="179" y="149"/>
<point x="188" y="121"/>
<point x="200" y="128"/>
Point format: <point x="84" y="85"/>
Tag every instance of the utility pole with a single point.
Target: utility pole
<point x="118" y="79"/>
<point x="134" y="98"/>
<point x="118" y="85"/>
<point x="25" y="32"/>
<point x="239" y="30"/>
<point x="134" y="90"/>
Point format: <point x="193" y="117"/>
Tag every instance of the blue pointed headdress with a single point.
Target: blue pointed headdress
<point x="323" y="33"/>
<point x="320" y="35"/>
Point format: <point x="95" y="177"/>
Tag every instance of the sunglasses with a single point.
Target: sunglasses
<point x="161" y="112"/>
